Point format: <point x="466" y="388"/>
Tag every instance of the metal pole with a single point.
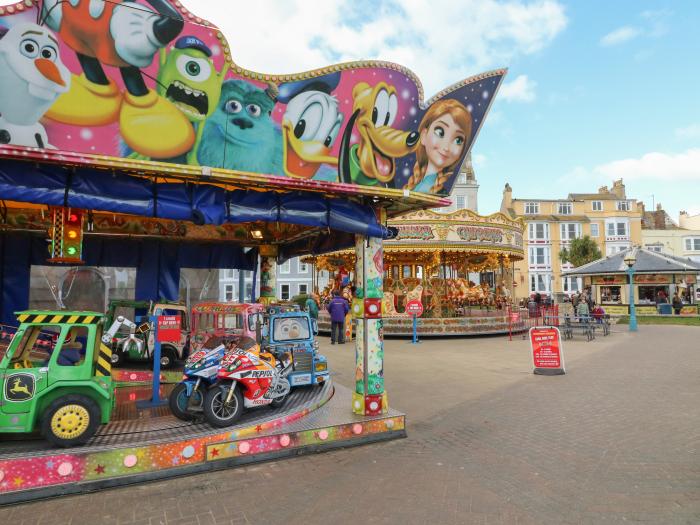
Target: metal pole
<point x="241" y="286"/>
<point x="633" y="311"/>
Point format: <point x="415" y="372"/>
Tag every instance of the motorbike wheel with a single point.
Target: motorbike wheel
<point x="217" y="412"/>
<point x="277" y="403"/>
<point x="178" y="400"/>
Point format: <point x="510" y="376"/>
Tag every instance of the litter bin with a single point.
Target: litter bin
<point x="665" y="309"/>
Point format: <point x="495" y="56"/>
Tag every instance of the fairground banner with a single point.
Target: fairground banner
<point x="148" y="80"/>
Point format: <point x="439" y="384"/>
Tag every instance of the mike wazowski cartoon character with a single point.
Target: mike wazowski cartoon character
<point x="126" y="35"/>
<point x="188" y="79"/>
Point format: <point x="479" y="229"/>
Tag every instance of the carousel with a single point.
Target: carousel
<point x="458" y="265"/>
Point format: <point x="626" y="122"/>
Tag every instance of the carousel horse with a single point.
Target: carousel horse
<point x="388" y="308"/>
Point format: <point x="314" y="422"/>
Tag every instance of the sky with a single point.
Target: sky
<point x="596" y="90"/>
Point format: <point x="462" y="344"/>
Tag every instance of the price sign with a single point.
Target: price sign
<point x="168" y="328"/>
<point x="414" y="307"/>
<point x="547" y="356"/>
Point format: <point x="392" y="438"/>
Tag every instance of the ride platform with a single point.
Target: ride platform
<point x="145" y="445"/>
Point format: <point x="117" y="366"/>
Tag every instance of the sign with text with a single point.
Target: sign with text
<point x="168" y="328"/>
<point x="547" y="356"/>
<point x="414" y="307"/>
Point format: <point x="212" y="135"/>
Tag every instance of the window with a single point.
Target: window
<point x="616" y="229"/>
<point x="284" y="292"/>
<point x="532" y="208"/>
<point x="303" y="267"/>
<point x="291" y="328"/>
<point x="692" y="244"/>
<point x="571" y="284"/>
<point x="303" y="289"/>
<point x="564" y="208"/>
<point x="248" y="291"/>
<point x="35" y="347"/>
<point x="658" y="248"/>
<point x="228" y="292"/>
<point x="406" y="272"/>
<point x="570" y="230"/>
<point x="610" y="294"/>
<point x="623" y="205"/>
<point x="539" y="255"/>
<point x="73" y="347"/>
<point x="595" y="230"/>
<point x="286" y="267"/>
<point x="538" y="231"/>
<point x="462" y="179"/>
<point x="539" y="282"/>
<point x="597" y="205"/>
<point x="460" y="202"/>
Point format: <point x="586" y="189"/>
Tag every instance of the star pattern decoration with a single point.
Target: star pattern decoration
<point x="18" y="481"/>
<point x="258" y="429"/>
<point x="214" y="452"/>
<point x="100" y="469"/>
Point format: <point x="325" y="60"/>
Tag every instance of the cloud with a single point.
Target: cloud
<point x="654" y="166"/>
<point x="620" y="35"/>
<point x="688" y="132"/>
<point x="479" y="160"/>
<point x="442" y="41"/>
<point x="522" y="89"/>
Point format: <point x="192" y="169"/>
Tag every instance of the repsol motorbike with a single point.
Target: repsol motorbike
<point x="201" y="368"/>
<point x="247" y="378"/>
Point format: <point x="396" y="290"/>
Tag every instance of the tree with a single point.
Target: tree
<point x="581" y="251"/>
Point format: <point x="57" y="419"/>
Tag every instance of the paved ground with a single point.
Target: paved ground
<point x="616" y="440"/>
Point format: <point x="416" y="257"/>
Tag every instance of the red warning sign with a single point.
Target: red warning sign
<point x="547" y="355"/>
<point x="168" y="328"/>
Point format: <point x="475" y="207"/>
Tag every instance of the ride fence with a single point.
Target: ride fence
<point x="520" y="320"/>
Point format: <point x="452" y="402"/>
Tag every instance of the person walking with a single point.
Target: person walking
<point x="338" y="309"/>
<point x="677" y="304"/>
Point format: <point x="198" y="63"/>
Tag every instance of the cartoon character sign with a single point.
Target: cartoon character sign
<point x="32" y="77"/>
<point x="147" y="80"/>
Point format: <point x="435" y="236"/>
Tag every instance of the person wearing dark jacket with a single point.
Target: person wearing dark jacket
<point x="677" y="304"/>
<point x="338" y="309"/>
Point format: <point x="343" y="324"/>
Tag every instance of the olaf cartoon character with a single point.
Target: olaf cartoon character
<point x="31" y="78"/>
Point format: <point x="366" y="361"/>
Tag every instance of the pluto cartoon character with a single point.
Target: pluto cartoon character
<point x="126" y="35"/>
<point x="371" y="161"/>
<point x="31" y="78"/>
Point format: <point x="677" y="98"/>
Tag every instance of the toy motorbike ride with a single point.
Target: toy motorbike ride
<point x="247" y="378"/>
<point x="201" y="368"/>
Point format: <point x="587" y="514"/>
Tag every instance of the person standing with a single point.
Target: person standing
<point x="312" y="306"/>
<point x="677" y="304"/>
<point x="338" y="309"/>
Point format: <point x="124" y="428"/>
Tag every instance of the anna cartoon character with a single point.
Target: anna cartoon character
<point x="444" y="134"/>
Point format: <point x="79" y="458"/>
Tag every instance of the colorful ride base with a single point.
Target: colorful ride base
<point x="480" y="322"/>
<point x="138" y="449"/>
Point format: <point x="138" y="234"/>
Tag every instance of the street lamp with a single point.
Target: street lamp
<point x="630" y="259"/>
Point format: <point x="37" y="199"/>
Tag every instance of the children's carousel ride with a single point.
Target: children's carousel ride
<point x="458" y="265"/>
<point x="130" y="138"/>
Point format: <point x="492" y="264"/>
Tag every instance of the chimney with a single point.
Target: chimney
<point x="618" y="189"/>
<point x="507" y="201"/>
<point x="659" y="218"/>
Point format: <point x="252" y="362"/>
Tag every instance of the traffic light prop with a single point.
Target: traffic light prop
<point x="66" y="236"/>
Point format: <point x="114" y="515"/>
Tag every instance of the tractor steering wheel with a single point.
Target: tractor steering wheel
<point x="26" y="363"/>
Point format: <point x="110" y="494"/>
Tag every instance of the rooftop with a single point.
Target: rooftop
<point x="646" y="262"/>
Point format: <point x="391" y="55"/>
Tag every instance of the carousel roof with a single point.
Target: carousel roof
<point x="647" y="261"/>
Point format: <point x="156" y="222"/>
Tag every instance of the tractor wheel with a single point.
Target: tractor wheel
<point x="70" y="420"/>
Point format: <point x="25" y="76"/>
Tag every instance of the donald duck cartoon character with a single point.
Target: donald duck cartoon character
<point x="127" y="35"/>
<point x="31" y="78"/>
<point x="310" y="125"/>
<point x="371" y="161"/>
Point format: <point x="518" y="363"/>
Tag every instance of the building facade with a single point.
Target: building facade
<point x="293" y="278"/>
<point x="661" y="234"/>
<point x="608" y="217"/>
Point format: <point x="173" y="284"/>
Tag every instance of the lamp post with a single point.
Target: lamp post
<point x="630" y="259"/>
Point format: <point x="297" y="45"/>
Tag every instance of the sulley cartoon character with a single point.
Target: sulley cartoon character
<point x="240" y="134"/>
<point x="127" y="35"/>
<point x="310" y="125"/>
<point x="371" y="161"/>
<point x="187" y="78"/>
<point x="31" y="78"/>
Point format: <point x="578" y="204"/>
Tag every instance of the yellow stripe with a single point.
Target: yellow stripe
<point x="56" y="318"/>
<point x="104" y="349"/>
<point x="72" y="319"/>
<point x="22" y="318"/>
<point x="39" y="318"/>
<point x="89" y="319"/>
<point x="103" y="363"/>
<point x="100" y="373"/>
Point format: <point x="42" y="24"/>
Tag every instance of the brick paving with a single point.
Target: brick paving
<point x="615" y="440"/>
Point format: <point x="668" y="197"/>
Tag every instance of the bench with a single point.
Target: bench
<point x="584" y="324"/>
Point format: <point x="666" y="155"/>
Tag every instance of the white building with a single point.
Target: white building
<point x="293" y="278"/>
